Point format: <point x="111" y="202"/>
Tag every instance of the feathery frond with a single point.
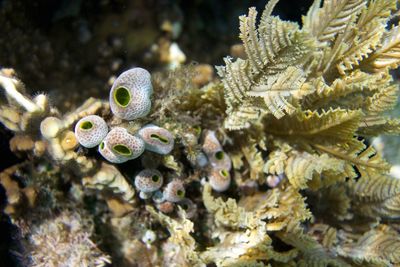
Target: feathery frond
<point x="334" y="124"/>
<point x="380" y="246"/>
<point x="275" y="51"/>
<point x="327" y="22"/>
<point x="388" y="55"/>
<point x="364" y="36"/>
<point x="303" y="167"/>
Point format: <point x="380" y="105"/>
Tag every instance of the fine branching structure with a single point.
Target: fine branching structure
<point x="269" y="165"/>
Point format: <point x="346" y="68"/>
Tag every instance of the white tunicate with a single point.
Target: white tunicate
<point x="201" y="160"/>
<point x="220" y="160"/>
<point x="91" y="130"/>
<point x="50" y="127"/>
<point x="120" y="146"/>
<point x="130" y="94"/>
<point x="210" y="143"/>
<point x="145" y="195"/>
<point x="158" y="197"/>
<point x="174" y="191"/>
<point x="189" y="207"/>
<point x="148" y="180"/>
<point x="157" y="139"/>
<point x="149" y="237"/>
<point x="219" y="179"/>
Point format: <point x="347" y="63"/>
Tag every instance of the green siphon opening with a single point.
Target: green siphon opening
<point x="224" y="173"/>
<point x="122" y="96"/>
<point x="219" y="155"/>
<point x="197" y="129"/>
<point x="160" y="138"/>
<point x="155" y="178"/>
<point x="122" y="150"/>
<point x="102" y="145"/>
<point x="180" y="193"/>
<point x="86" y="125"/>
<point x="185" y="206"/>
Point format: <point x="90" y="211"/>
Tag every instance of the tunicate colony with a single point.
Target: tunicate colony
<point x="130" y="99"/>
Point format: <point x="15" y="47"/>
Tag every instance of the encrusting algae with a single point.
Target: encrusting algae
<point x="268" y="166"/>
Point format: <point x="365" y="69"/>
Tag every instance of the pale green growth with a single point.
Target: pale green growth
<point x="86" y="125"/>
<point x="122" y="150"/>
<point x="180" y="237"/>
<point x="122" y="96"/>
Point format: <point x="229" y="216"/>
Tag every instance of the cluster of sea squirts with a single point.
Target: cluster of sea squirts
<point x="130" y="99"/>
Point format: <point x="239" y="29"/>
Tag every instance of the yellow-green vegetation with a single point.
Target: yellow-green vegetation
<point x="308" y="97"/>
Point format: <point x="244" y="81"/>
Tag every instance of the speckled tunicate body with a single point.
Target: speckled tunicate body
<point x="174" y="191"/>
<point x="157" y="139"/>
<point x="130" y="94"/>
<point x="120" y="146"/>
<point x="91" y="130"/>
<point x="201" y="160"/>
<point x="216" y="155"/>
<point x="220" y="179"/>
<point x="189" y="207"/>
<point x="138" y="78"/>
<point x="210" y="143"/>
<point x="220" y="160"/>
<point x="148" y="180"/>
